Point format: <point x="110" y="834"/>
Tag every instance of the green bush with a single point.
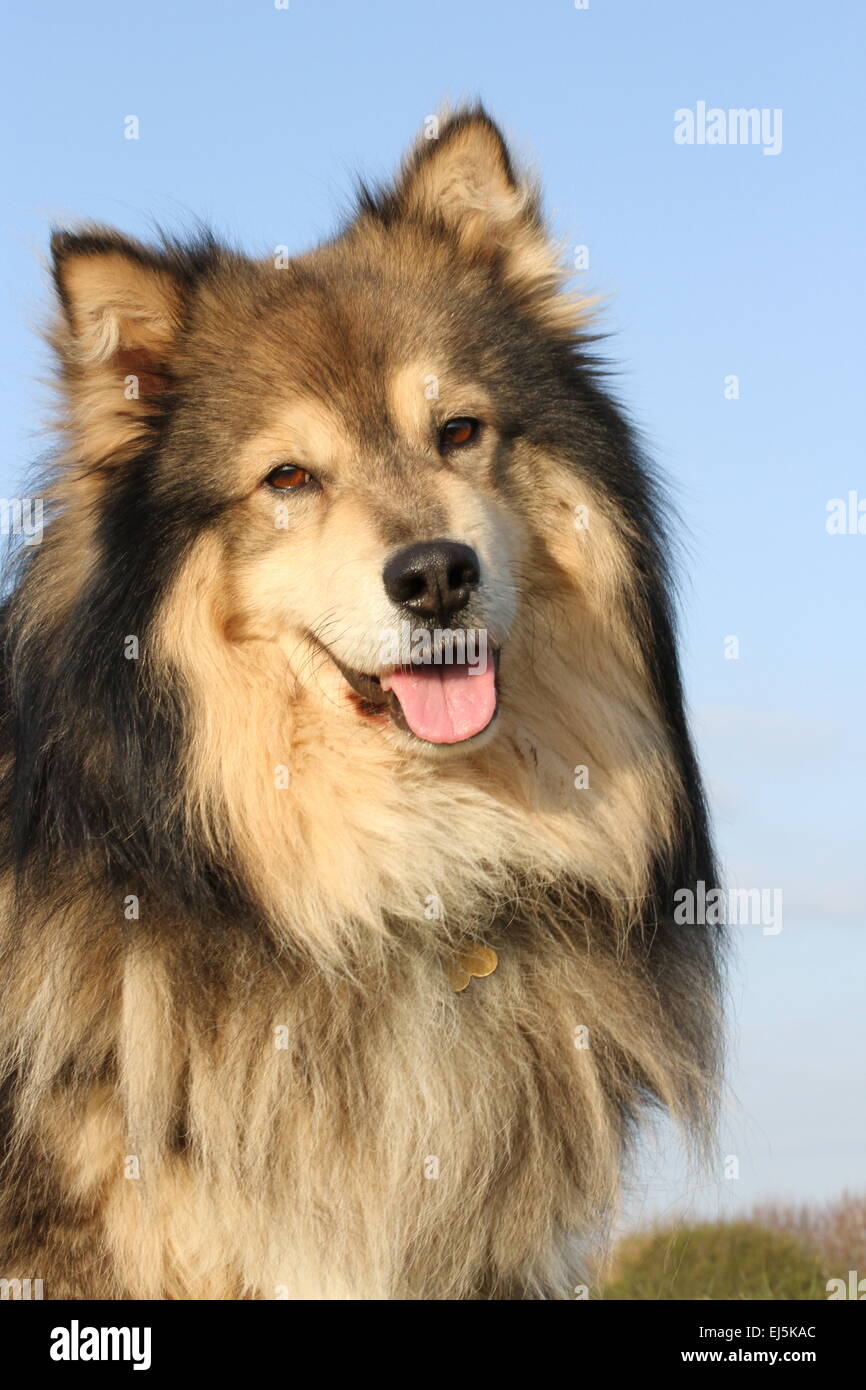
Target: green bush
<point x="728" y="1260"/>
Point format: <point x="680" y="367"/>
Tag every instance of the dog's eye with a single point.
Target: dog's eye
<point x="455" y="433"/>
<point x="288" y="475"/>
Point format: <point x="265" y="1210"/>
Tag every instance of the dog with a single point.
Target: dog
<point x="347" y="781"/>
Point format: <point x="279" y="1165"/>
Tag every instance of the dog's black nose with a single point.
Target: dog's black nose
<point x="433" y="578"/>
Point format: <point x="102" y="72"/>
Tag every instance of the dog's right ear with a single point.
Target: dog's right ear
<point x="122" y="309"/>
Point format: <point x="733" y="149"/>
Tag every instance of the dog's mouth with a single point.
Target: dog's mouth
<point x="437" y="703"/>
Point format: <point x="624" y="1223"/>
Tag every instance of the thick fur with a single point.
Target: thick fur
<point x="234" y="1065"/>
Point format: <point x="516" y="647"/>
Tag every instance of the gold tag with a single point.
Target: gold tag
<point x="475" y="961"/>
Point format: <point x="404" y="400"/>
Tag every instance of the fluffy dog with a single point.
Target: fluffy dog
<point x="347" y="781"/>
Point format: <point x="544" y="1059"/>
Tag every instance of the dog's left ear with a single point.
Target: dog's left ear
<point x="121" y="312"/>
<point x="461" y="174"/>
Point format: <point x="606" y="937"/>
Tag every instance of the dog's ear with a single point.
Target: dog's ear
<point x="461" y="173"/>
<point x="121" y="311"/>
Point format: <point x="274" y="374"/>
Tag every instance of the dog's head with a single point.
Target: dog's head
<point x="363" y="433"/>
<point x="363" y="508"/>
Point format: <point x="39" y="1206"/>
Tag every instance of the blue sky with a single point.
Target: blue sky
<point x="717" y="260"/>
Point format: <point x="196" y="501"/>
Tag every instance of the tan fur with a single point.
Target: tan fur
<point x="413" y="388"/>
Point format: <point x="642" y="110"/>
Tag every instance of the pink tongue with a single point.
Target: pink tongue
<point x="445" y="704"/>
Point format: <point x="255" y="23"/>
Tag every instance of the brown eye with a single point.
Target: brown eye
<point x="455" y="433"/>
<point x="288" y="476"/>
